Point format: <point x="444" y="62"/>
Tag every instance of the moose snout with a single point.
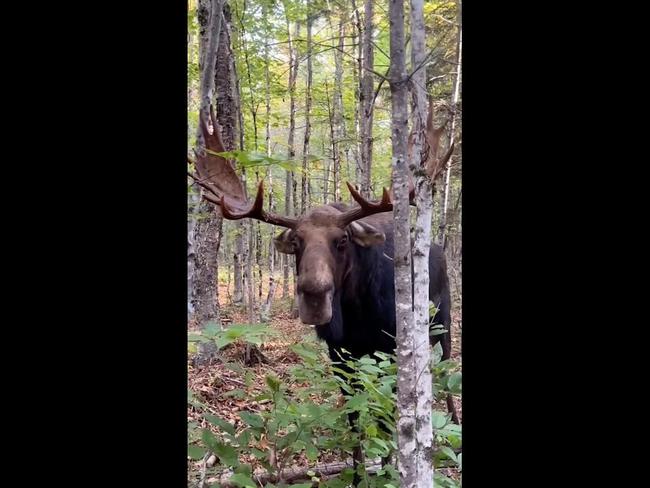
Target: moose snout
<point x="315" y="309"/>
<point x="315" y="287"/>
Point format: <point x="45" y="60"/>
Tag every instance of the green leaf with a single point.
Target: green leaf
<point x="311" y="451"/>
<point x="195" y="452"/>
<point x="381" y="443"/>
<point x="438" y="419"/>
<point x="257" y="453"/>
<point x="304" y="353"/>
<point x="367" y="360"/>
<point x="222" y="341"/>
<point x="371" y="430"/>
<point x="302" y="485"/>
<point x="454" y="383"/>
<point x="241" y="479"/>
<point x="273" y="383"/>
<point x="227" y="454"/>
<point x="211" y="329"/>
<point x="449" y="453"/>
<point x="252" y="419"/>
<point x="219" y="422"/>
<point x="369" y="368"/>
<point x="358" y="402"/>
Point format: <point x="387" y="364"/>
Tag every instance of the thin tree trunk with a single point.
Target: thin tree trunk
<point x="292" y="155"/>
<point x="421" y="445"/>
<point x="290" y="188"/>
<point x="335" y="111"/>
<point x="339" y="121"/>
<point x="357" y="73"/>
<point x="367" y="99"/>
<point x="248" y="273"/>
<point x="328" y="164"/>
<point x="304" y="203"/>
<point x="256" y="250"/>
<point x="265" y="309"/>
<point x="442" y="231"/>
<point x="408" y="371"/>
<point x="240" y="226"/>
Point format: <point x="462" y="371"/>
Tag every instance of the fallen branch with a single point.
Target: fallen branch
<point x="201" y="483"/>
<point x="290" y="475"/>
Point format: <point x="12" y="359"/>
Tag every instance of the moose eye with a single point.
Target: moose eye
<point x="340" y="244"/>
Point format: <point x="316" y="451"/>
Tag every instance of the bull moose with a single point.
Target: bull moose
<point x="344" y="261"/>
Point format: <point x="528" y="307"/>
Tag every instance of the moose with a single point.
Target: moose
<point x="344" y="261"/>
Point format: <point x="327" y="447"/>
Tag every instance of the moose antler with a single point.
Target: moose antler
<point x="224" y="188"/>
<point x="367" y="208"/>
<point x="435" y="164"/>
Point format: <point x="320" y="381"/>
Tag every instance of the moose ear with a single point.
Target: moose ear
<point x="365" y="234"/>
<point x="283" y="243"/>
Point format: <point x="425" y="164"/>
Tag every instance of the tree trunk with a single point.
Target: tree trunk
<point x="237" y="259"/>
<point x="288" y="187"/>
<point x="226" y="89"/>
<point x="366" y="99"/>
<point x="266" y="307"/>
<point x="442" y="231"/>
<point x="339" y="121"/>
<point x="408" y="369"/>
<point x="330" y="162"/>
<point x="419" y="385"/>
<point x="357" y="73"/>
<point x="291" y="190"/>
<point x="207" y="231"/>
<point x="304" y="203"/>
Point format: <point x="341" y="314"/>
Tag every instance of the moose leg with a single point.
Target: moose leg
<point x="357" y="453"/>
<point x="445" y="342"/>
<point x="386" y="459"/>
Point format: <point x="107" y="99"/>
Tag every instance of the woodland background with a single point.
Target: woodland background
<point x="304" y="105"/>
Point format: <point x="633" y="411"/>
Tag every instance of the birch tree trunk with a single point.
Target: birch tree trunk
<point x="421" y="446"/>
<point x="412" y="474"/>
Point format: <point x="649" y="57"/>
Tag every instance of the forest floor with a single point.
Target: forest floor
<point x="213" y="384"/>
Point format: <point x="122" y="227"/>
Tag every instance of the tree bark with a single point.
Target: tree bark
<point x="207" y="231"/>
<point x="304" y="195"/>
<point x="419" y="385"/>
<point x="357" y="73"/>
<point x="266" y="307"/>
<point x="291" y="204"/>
<point x="367" y="99"/>
<point x="442" y="230"/>
<point x="407" y="368"/>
